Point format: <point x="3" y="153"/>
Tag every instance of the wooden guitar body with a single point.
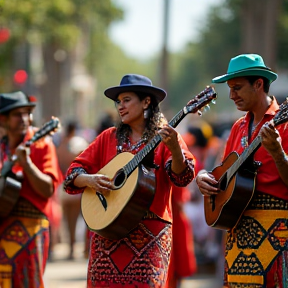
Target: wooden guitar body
<point x="126" y="206"/>
<point x="114" y="214"/>
<point x="224" y="210"/>
<point x="236" y="181"/>
<point x="9" y="194"/>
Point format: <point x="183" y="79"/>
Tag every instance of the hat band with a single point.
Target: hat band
<point x="251" y="68"/>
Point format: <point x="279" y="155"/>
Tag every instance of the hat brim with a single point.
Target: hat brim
<point x="113" y="92"/>
<point x="12" y="107"/>
<point x="271" y="76"/>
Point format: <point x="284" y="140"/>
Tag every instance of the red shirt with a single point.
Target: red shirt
<point x="103" y="149"/>
<point x="268" y="179"/>
<point x="43" y="155"/>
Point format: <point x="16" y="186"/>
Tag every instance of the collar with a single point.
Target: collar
<point x="272" y="110"/>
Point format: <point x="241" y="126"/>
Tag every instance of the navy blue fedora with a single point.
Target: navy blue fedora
<point x="135" y="83"/>
<point x="10" y="101"/>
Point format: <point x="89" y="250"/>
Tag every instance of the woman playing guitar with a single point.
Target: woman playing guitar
<point x="140" y="258"/>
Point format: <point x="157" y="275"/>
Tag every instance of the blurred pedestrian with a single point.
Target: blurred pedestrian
<point x="141" y="258"/>
<point x="32" y="174"/>
<point x="70" y="146"/>
<point x="207" y="246"/>
<point x="183" y="260"/>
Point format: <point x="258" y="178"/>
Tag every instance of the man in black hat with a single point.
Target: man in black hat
<point x="28" y="179"/>
<point x="248" y="196"/>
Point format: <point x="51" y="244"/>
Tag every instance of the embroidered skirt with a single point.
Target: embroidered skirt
<point x="257" y="248"/>
<point x="139" y="260"/>
<point x="24" y="244"/>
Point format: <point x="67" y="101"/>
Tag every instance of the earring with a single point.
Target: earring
<point x="146" y="113"/>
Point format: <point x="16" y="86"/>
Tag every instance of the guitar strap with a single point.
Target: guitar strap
<point x="148" y="161"/>
<point x="250" y="127"/>
<point x="250" y="163"/>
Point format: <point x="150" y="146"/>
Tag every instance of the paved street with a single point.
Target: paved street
<point x="61" y="273"/>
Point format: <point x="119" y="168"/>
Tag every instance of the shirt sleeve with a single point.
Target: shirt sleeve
<point x="184" y="178"/>
<point x="68" y="184"/>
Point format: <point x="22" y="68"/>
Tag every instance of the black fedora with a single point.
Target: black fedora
<point x="10" y="101"/>
<point x="135" y="83"/>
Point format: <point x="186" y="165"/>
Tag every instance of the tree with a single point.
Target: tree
<point x="57" y="27"/>
<point x="225" y="36"/>
<point x="202" y="60"/>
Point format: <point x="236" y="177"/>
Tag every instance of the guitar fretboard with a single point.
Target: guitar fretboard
<point x="256" y="143"/>
<point x="139" y="157"/>
<point x="278" y="119"/>
<point x="200" y="101"/>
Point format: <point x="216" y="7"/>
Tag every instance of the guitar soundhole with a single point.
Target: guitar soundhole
<point x="119" y="179"/>
<point x="223" y="182"/>
<point x="212" y="202"/>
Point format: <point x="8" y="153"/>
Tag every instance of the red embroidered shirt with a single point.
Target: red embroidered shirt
<point x="103" y="149"/>
<point x="43" y="155"/>
<point x="268" y="179"/>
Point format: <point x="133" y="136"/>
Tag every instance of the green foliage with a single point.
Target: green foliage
<point x="282" y="33"/>
<point x="60" y="24"/>
<point x="209" y="56"/>
<point x="57" y="21"/>
<point x="113" y="64"/>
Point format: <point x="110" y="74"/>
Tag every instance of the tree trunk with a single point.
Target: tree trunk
<point x="259" y="25"/>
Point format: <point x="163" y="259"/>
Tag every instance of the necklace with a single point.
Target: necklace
<point x="254" y="126"/>
<point x="127" y="146"/>
<point x="247" y="133"/>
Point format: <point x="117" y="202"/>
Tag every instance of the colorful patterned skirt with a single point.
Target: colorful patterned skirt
<point x="139" y="260"/>
<point x="24" y="244"/>
<point x="257" y="248"/>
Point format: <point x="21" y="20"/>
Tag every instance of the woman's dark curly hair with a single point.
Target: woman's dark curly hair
<point x="154" y="121"/>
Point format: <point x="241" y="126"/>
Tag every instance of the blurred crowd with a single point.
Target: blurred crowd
<point x="197" y="248"/>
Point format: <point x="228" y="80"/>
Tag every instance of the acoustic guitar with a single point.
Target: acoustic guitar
<point x="9" y="186"/>
<point x="116" y="213"/>
<point x="236" y="178"/>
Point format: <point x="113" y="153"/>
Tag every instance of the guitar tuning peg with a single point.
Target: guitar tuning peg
<point x="199" y="113"/>
<point x="207" y="108"/>
<point x="213" y="101"/>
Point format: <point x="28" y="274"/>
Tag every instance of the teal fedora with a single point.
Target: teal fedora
<point x="246" y="65"/>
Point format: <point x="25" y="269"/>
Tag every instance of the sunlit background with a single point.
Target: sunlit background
<point x="70" y="51"/>
<point x="67" y="52"/>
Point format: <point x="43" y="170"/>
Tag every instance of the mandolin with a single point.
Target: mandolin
<point x="116" y="213"/>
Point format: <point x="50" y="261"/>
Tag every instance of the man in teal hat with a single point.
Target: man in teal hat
<point x="248" y="194"/>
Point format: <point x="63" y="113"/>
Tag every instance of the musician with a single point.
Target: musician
<point x="141" y="258"/>
<point x="257" y="247"/>
<point x="24" y="232"/>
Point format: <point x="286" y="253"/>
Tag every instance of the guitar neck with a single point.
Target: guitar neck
<point x="46" y="129"/>
<point x="138" y="158"/>
<point x="253" y="147"/>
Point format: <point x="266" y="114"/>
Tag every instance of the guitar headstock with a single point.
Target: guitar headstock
<point x="201" y="101"/>
<point x="48" y="128"/>
<point x="282" y="115"/>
